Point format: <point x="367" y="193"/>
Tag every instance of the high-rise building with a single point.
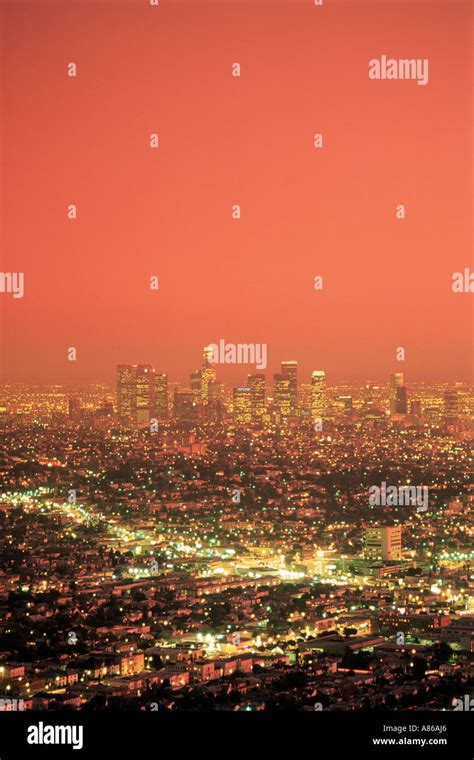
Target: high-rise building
<point x="304" y="399"/>
<point x="161" y="396"/>
<point x="145" y="394"/>
<point x="290" y="369"/>
<point x="256" y="383"/>
<point x="136" y="390"/>
<point x="185" y="406"/>
<point x="282" y="397"/>
<point x="195" y="384"/>
<point x="207" y="356"/>
<point x="318" y="394"/>
<point x="214" y="409"/>
<point x="242" y="405"/>
<point x="207" y="374"/>
<point x="396" y="379"/>
<point x="383" y="543"/>
<point x="396" y="382"/>
<point x="401" y="400"/>
<point x="127" y="393"/>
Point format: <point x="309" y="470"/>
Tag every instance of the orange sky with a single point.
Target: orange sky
<point x="226" y="140"/>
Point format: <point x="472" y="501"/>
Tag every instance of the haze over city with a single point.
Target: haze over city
<point x="224" y="140"/>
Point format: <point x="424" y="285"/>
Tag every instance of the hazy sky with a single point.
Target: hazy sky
<point x="227" y="140"/>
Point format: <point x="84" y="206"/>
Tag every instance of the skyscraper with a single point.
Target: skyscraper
<point x="242" y="405"/>
<point x="290" y="369"/>
<point x="282" y="396"/>
<point x="401" y="400"/>
<point x="396" y="382"/>
<point x="145" y="394"/>
<point x="135" y="393"/>
<point x="304" y="398"/>
<point x="207" y="374"/>
<point x="195" y="384"/>
<point x="318" y="394"/>
<point x="185" y="407"/>
<point x="207" y="355"/>
<point x="161" y="396"/>
<point x="126" y="393"/>
<point x="256" y="383"/>
<point x="214" y="409"/>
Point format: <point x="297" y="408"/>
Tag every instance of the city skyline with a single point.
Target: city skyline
<point x="234" y="373"/>
<point x="144" y="397"/>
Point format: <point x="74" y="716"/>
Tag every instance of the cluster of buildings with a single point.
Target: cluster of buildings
<point x="144" y="396"/>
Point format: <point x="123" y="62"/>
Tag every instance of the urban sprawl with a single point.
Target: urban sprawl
<point x="282" y="545"/>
